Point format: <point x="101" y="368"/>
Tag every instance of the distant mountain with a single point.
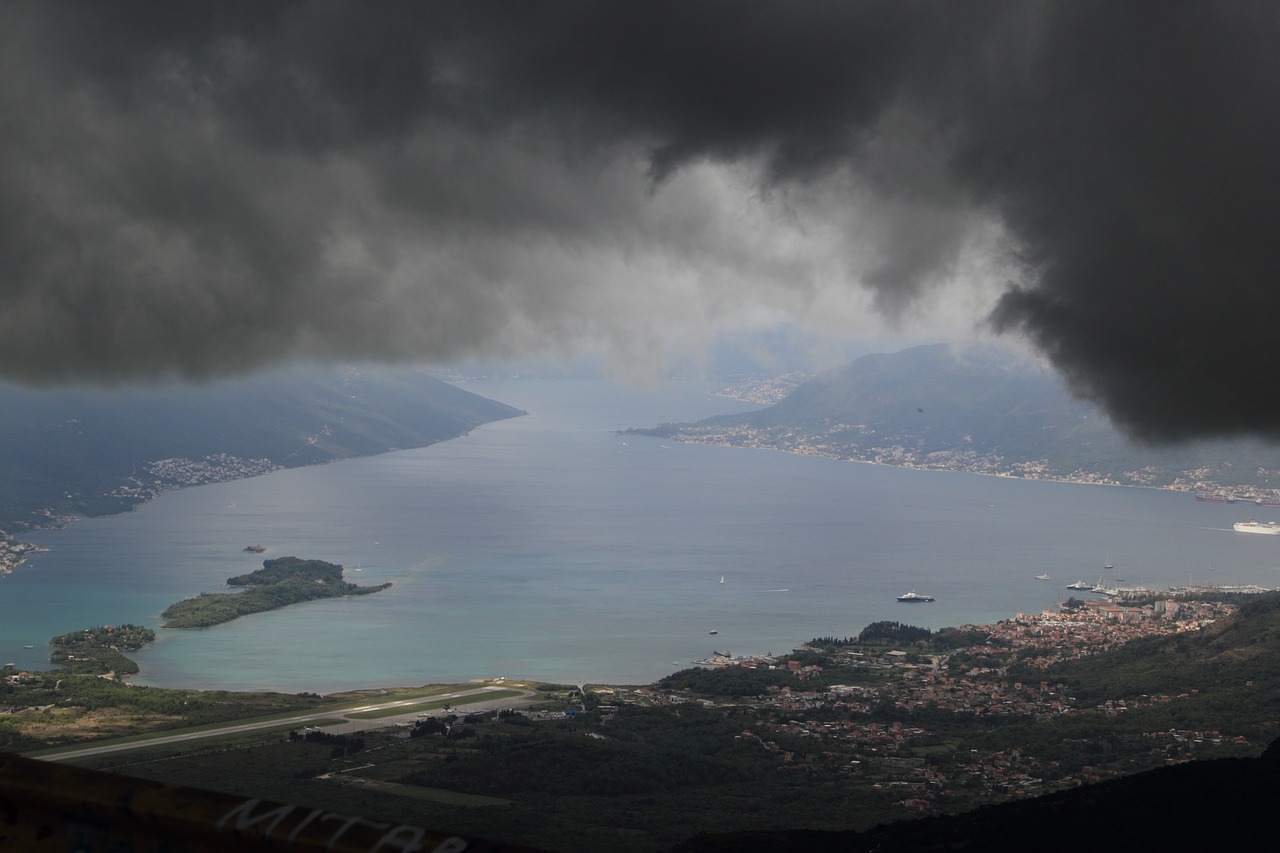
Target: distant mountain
<point x="979" y="408"/>
<point x="99" y="452"/>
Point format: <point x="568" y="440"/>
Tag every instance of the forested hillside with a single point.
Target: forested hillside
<point x="96" y="452"/>
<point x="979" y="408"/>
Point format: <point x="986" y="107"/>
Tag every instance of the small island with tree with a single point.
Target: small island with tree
<point x="279" y="583"/>
<point x="100" y="650"/>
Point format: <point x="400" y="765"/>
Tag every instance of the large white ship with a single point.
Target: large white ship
<point x="1257" y="527"/>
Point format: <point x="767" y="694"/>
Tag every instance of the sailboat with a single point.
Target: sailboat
<point x="1102" y="588"/>
<point x="722" y="579"/>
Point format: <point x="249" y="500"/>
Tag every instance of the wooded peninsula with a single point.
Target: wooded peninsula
<point x="279" y="583"/>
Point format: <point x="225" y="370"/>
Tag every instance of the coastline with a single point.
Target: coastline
<point x="1091" y="480"/>
<point x="1095" y="625"/>
<point x="531" y="590"/>
<point x="177" y="474"/>
<point x="13" y="553"/>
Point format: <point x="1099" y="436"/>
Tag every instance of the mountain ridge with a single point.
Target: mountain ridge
<point x="70" y="453"/>
<point x="979" y="408"/>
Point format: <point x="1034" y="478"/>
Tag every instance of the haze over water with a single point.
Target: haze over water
<point x="549" y="547"/>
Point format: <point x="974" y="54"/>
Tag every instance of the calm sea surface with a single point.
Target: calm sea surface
<point x="549" y="547"/>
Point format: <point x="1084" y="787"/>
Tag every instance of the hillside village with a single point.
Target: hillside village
<point x="862" y="443"/>
<point x="13" y="552"/>
<point x="163" y="475"/>
<point x="981" y="409"/>
<point x="890" y="729"/>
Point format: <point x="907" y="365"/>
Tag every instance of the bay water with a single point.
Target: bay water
<point x="551" y="547"/>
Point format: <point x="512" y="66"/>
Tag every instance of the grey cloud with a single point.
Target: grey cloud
<point x="190" y="190"/>
<point x="1141" y="188"/>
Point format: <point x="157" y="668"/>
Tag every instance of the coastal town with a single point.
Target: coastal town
<point x="821" y="433"/>
<point x="860" y="443"/>
<point x="159" y="476"/>
<point x="766" y="391"/>
<point x="888" y="728"/>
<point x="163" y="475"/>
<point x="13" y="552"/>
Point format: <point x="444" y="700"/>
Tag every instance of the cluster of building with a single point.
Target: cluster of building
<point x="162" y="475"/>
<point x="726" y="658"/>
<point x="165" y="474"/>
<point x="13" y="552"/>
<point x="834" y="725"/>
<point x="765" y="392"/>
<point x="858" y="443"/>
<point x="861" y="443"/>
<point x="1097" y="625"/>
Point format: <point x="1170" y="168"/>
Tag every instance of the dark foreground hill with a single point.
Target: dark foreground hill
<point x="979" y="408"/>
<point x="1202" y="805"/>
<point x="95" y="452"/>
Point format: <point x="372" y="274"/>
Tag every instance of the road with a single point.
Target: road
<point x="348" y="724"/>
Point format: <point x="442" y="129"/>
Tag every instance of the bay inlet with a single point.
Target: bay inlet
<point x="550" y="547"/>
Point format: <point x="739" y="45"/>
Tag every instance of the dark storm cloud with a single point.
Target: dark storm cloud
<point x="190" y="190"/>
<point x="1143" y="190"/>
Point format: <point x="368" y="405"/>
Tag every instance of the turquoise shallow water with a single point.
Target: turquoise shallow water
<point x="550" y="547"/>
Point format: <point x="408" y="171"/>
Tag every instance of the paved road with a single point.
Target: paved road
<point x="311" y="716"/>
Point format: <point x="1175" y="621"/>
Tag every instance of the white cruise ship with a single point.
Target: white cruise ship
<point x="1257" y="527"/>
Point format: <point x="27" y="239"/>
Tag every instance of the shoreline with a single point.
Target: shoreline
<point x="1120" y="598"/>
<point x="143" y="544"/>
<point x="1125" y="599"/>
<point x="14" y="551"/>
<point x="11" y="545"/>
<point x="1205" y="487"/>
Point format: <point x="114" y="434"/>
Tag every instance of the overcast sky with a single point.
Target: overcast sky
<point x="192" y="190"/>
